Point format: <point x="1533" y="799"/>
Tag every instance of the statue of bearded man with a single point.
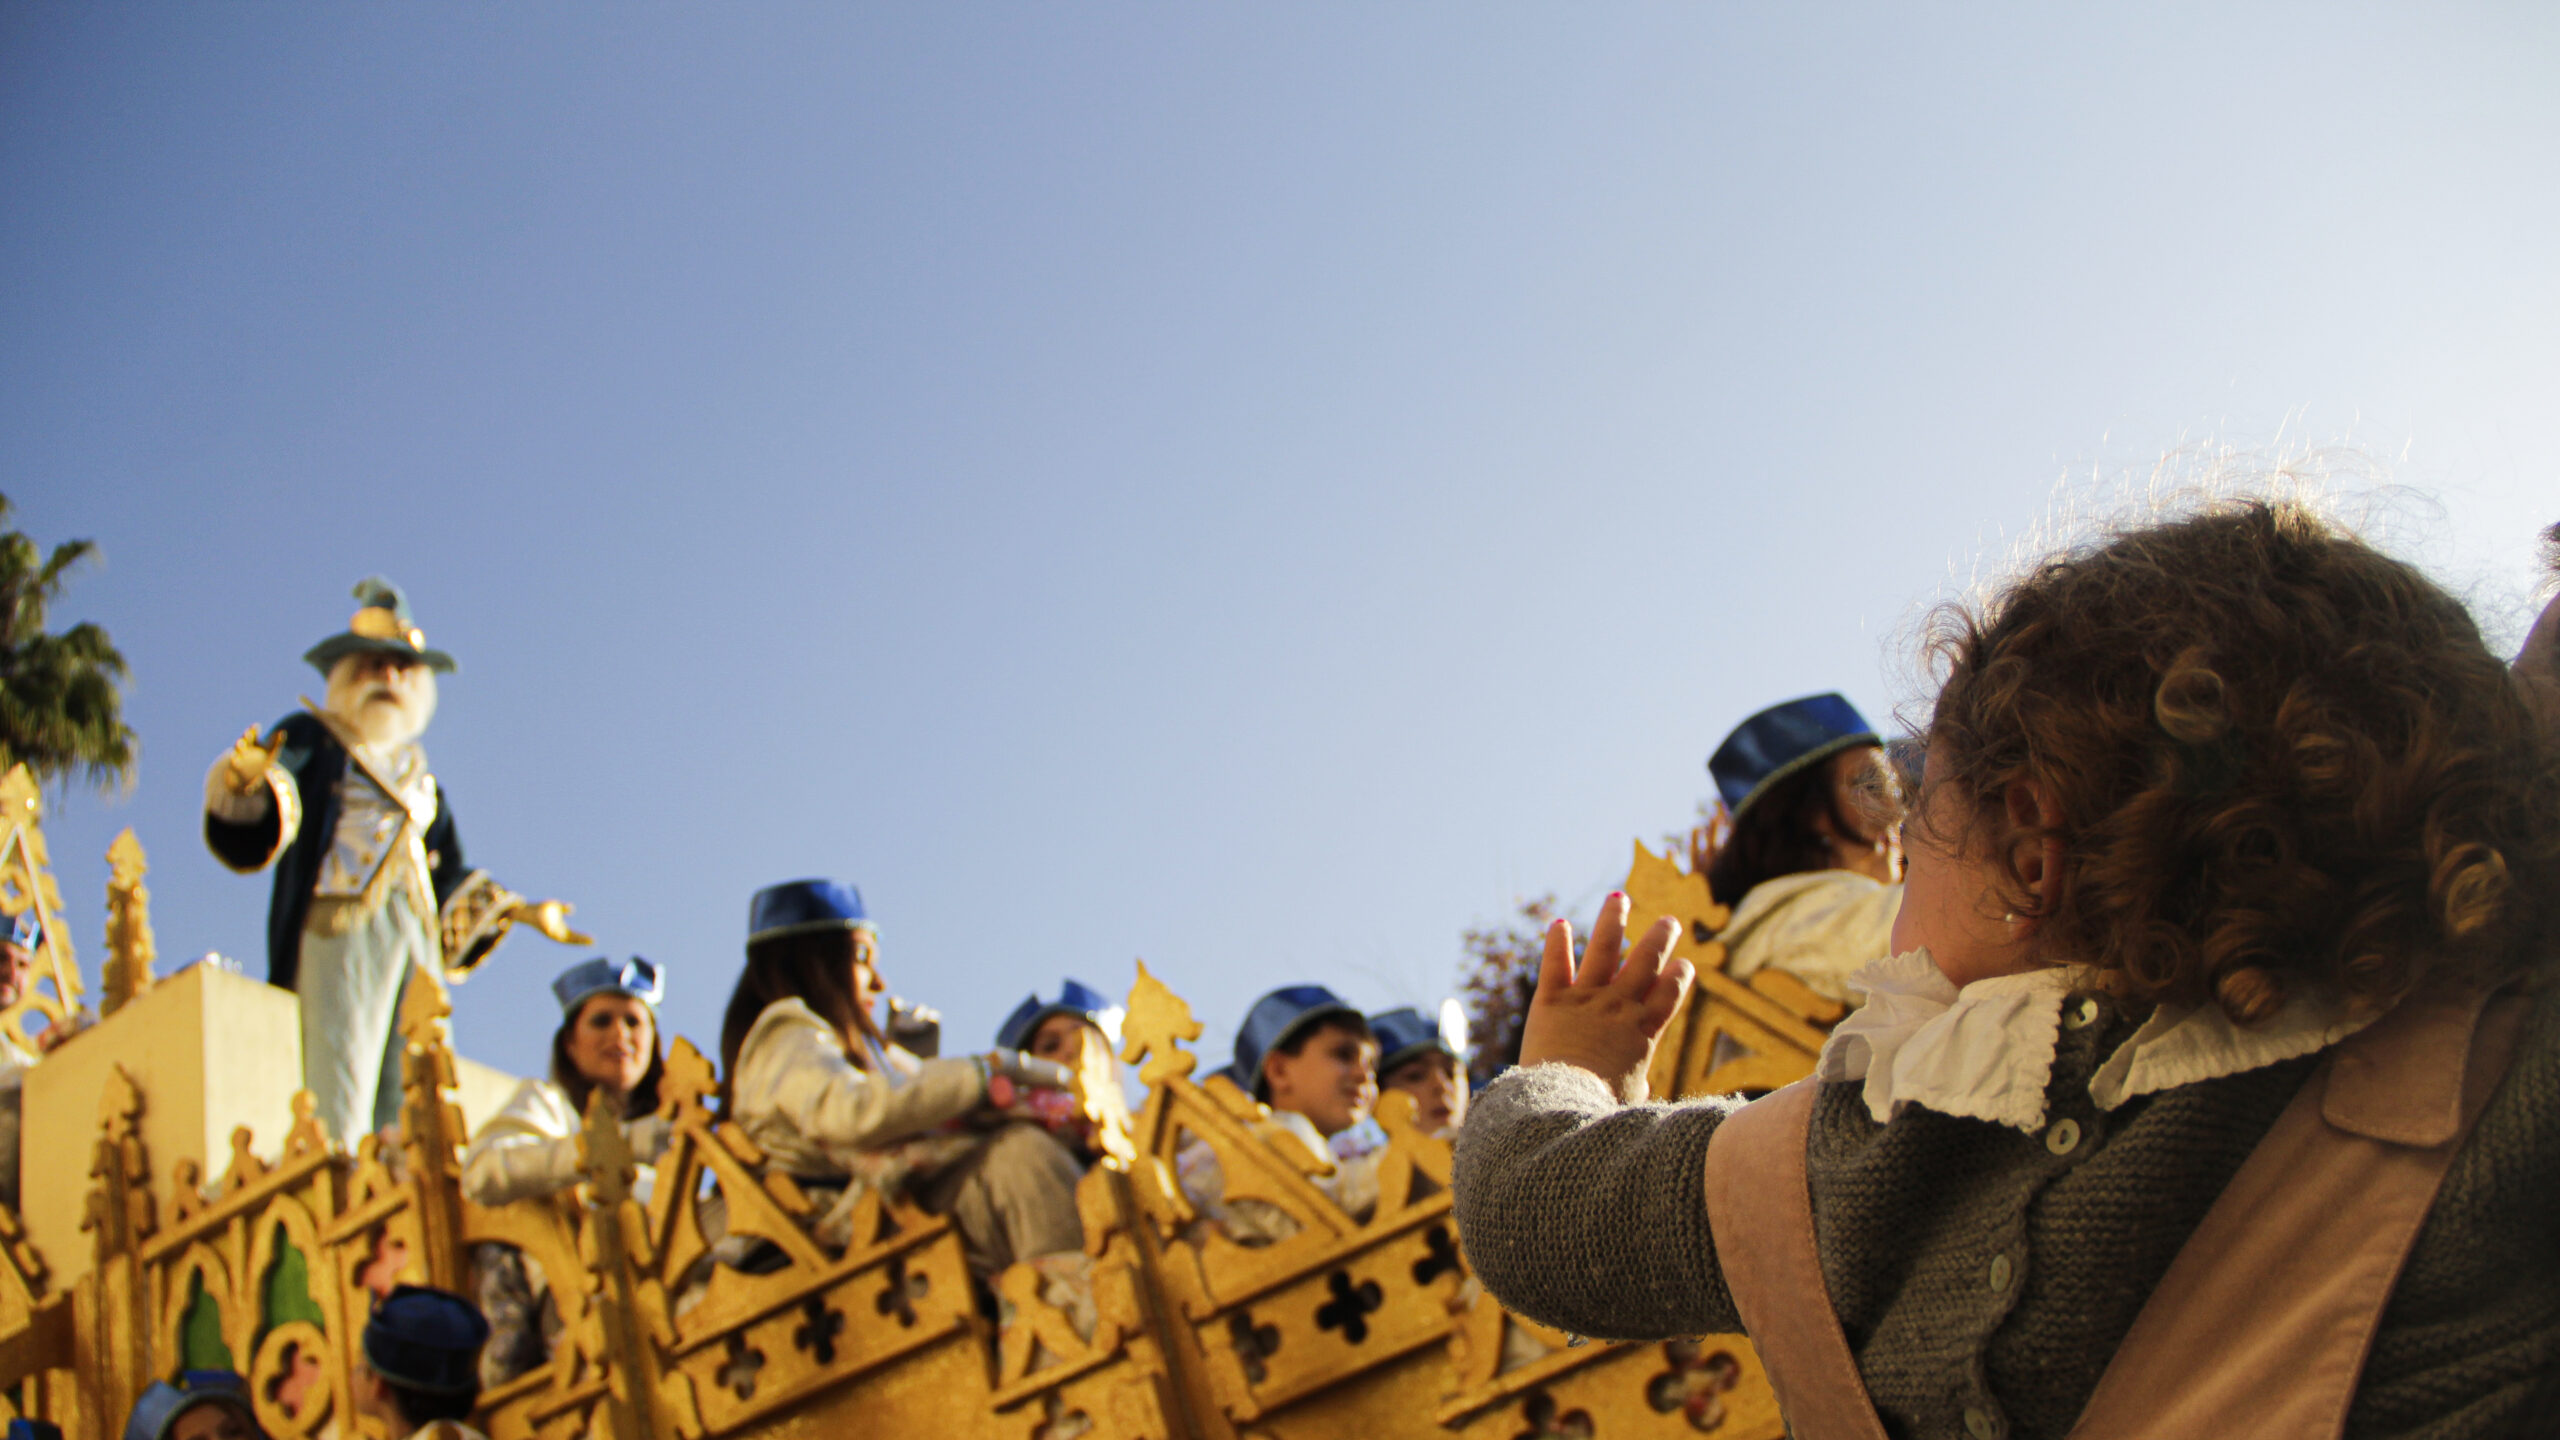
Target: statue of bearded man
<point x="370" y="879"/>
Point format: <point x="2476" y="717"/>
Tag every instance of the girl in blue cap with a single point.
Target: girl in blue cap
<point x="1081" y="1023"/>
<point x="607" y="1043"/>
<point x="1812" y="862"/>
<point x="833" y="1101"/>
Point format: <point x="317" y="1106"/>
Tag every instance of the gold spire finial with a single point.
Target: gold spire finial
<point x="1157" y="1019"/>
<point x="130" y="949"/>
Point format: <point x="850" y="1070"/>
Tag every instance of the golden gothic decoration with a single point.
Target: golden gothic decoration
<point x="696" y="1302"/>
<point x="26" y="883"/>
<point x="130" y="948"/>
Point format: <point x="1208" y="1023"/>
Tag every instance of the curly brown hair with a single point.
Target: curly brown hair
<point x="2281" y="759"/>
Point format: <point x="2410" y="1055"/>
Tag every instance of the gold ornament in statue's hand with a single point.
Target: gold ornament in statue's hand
<point x="245" y="768"/>
<point x="551" y="917"/>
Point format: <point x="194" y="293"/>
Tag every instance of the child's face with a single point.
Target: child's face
<point x="1063" y="1038"/>
<point x="868" y="987"/>
<point x="1952" y="892"/>
<point x="1332" y="1080"/>
<point x="1439" y="1091"/>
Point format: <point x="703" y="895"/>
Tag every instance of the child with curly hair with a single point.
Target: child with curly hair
<point x="2214" y="1087"/>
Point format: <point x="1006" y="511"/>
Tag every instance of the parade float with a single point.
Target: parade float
<point x="183" y="1207"/>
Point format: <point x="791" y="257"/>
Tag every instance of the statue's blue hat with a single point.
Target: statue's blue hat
<point x="640" y="979"/>
<point x="25" y="930"/>
<point x="1405" y="1032"/>
<point x="802" y="907"/>
<point x="1275" y="1020"/>
<point x="382" y="626"/>
<point x="427" y="1340"/>
<point x="162" y="1402"/>
<point x="1074" y="998"/>
<point x="1782" y="740"/>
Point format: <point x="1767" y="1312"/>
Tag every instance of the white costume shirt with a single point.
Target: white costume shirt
<point x="814" y="1113"/>
<point x="530" y="1148"/>
<point x="1986" y="1051"/>
<point x="1821" y="926"/>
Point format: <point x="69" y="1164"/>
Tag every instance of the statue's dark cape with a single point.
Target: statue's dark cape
<point x="318" y="765"/>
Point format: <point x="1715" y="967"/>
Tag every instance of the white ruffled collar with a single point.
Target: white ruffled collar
<point x="1986" y="1051"/>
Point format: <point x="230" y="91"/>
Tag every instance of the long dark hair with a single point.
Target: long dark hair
<point x="642" y="1100"/>
<point x="1781" y="834"/>
<point x="814" y="967"/>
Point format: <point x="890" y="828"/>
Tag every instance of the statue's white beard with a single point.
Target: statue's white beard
<point x="384" y="714"/>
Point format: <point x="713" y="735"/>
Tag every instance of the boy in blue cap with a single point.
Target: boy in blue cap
<point x="421" y="1367"/>
<point x="1309" y="1055"/>
<point x="1427" y="1061"/>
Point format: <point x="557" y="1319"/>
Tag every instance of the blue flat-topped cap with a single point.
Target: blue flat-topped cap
<point x="1405" y="1032"/>
<point x="156" y="1413"/>
<point x="1275" y="1020"/>
<point x="803" y="907"/>
<point x="382" y="626"/>
<point x="426" y="1339"/>
<point x="1782" y="740"/>
<point x="638" y="978"/>
<point x="1074" y="998"/>
<point x="25" y="930"/>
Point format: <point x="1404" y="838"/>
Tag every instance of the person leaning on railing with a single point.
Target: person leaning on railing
<point x="2216" y="1087"/>
<point x="836" y="1104"/>
<point x="607" y="1042"/>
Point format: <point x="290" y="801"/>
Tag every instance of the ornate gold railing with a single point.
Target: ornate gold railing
<point x="1325" y="1325"/>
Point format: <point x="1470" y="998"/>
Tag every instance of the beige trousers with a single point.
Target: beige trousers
<point x="1012" y="1198"/>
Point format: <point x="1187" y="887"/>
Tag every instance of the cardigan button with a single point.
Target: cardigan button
<point x="2081" y="1016"/>
<point x="1978" y="1424"/>
<point x="2001" y="1271"/>
<point x="2063" y="1137"/>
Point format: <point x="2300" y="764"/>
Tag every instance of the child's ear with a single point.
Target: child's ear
<point x="2035" y="857"/>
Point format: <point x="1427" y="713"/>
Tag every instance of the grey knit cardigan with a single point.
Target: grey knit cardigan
<point x="1591" y="1216"/>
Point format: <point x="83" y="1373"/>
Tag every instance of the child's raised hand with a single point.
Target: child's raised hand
<point x="1605" y="1014"/>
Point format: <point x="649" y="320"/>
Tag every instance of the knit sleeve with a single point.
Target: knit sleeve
<point x="1588" y="1215"/>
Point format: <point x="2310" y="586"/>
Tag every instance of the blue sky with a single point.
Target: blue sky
<point x="1256" y="488"/>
